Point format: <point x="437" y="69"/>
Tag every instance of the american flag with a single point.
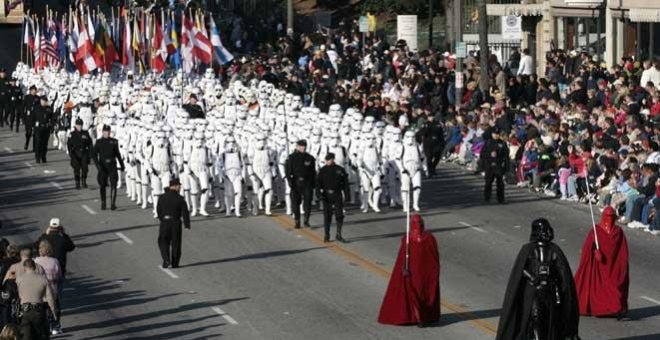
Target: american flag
<point x="48" y="53"/>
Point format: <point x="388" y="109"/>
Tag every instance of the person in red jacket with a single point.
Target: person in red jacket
<point x="602" y="275"/>
<point x="413" y="294"/>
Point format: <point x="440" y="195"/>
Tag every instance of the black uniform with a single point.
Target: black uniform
<point x="332" y="186"/>
<point x="15" y="103"/>
<point x="171" y="209"/>
<point x="80" y="151"/>
<point x="433" y="137"/>
<point x="4" y="100"/>
<point x="541" y="300"/>
<point x="105" y="155"/>
<point x="30" y="104"/>
<point x="194" y="111"/>
<point x="495" y="155"/>
<point x="301" y="173"/>
<point x="43" y="123"/>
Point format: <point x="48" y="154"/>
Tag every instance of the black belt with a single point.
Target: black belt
<point x="330" y="192"/>
<point x="300" y="179"/>
<point x="26" y="307"/>
<point x="167" y="217"/>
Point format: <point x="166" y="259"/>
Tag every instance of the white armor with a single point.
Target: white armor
<point x="261" y="168"/>
<point x="411" y="162"/>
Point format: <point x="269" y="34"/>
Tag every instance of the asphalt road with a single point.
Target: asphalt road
<point x="257" y="278"/>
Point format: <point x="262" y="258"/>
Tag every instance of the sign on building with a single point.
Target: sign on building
<point x="511" y="27"/>
<point x="406" y="29"/>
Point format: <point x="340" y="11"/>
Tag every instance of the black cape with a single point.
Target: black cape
<point x="516" y="309"/>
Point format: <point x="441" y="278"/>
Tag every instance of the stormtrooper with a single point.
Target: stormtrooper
<point x="261" y="169"/>
<point x="392" y="151"/>
<point x="161" y="160"/>
<point x="199" y="163"/>
<point x="232" y="170"/>
<point x="370" y="166"/>
<point x="411" y="163"/>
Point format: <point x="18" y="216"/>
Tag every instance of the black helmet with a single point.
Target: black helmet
<point x="541" y="231"/>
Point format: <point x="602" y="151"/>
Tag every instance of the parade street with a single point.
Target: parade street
<point x="258" y="278"/>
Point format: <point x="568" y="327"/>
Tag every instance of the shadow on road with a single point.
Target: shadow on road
<point x="256" y="256"/>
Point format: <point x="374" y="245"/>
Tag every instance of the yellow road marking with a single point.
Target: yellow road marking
<point x="380" y="271"/>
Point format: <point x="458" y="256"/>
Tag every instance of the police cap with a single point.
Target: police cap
<point x="329" y="156"/>
<point x="106" y="127"/>
<point x="302" y="142"/>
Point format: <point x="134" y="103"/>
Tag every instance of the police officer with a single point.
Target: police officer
<point x="495" y="155"/>
<point x="15" y="103"/>
<point x="43" y="122"/>
<point x="33" y="290"/>
<point x="193" y="109"/>
<point x="433" y="138"/>
<point x="301" y="173"/>
<point x="331" y="183"/>
<point x="4" y="97"/>
<point x="106" y="155"/>
<point x="171" y="209"/>
<point x="31" y="103"/>
<point x="80" y="150"/>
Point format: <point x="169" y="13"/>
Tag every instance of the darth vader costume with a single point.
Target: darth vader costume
<point x="540" y="301"/>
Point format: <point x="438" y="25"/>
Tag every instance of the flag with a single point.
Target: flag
<point x="84" y="60"/>
<point x="187" y="45"/>
<point x="72" y="41"/>
<point x="221" y="54"/>
<point x="176" y="55"/>
<point x="135" y="44"/>
<point x="111" y="53"/>
<point x="37" y="48"/>
<point x="27" y="32"/>
<point x="127" y="52"/>
<point x="159" y="52"/>
<point x="202" y="48"/>
<point x="48" y="54"/>
<point x="99" y="47"/>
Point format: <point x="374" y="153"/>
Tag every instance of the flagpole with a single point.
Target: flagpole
<point x="23" y="37"/>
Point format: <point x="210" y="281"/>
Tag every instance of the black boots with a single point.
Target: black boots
<point x="338" y="237"/>
<point x="102" y="190"/>
<point x="77" y="179"/>
<point x="84" y="181"/>
<point x="113" y="197"/>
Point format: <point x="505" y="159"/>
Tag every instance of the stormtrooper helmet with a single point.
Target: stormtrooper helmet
<point x="409" y="138"/>
<point x="260" y="141"/>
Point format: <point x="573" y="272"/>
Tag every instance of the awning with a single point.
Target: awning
<point x="644" y="15"/>
<point x="515" y="9"/>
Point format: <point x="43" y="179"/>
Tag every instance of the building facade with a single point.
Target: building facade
<point x="607" y="29"/>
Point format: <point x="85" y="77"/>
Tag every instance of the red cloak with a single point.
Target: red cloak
<point x="602" y="279"/>
<point x="414" y="297"/>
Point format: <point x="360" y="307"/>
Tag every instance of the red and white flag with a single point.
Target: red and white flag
<point x="84" y="59"/>
<point x="159" y="52"/>
<point x="203" y="49"/>
<point x="187" y="58"/>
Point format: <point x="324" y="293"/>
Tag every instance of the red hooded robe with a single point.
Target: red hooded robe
<point x="602" y="279"/>
<point x="414" y="297"/>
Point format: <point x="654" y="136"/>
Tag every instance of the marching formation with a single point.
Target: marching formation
<point x="228" y="146"/>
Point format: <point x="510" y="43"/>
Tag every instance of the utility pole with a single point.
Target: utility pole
<point x="430" y="23"/>
<point x="289" y="16"/>
<point x="483" y="46"/>
<point x="458" y="38"/>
